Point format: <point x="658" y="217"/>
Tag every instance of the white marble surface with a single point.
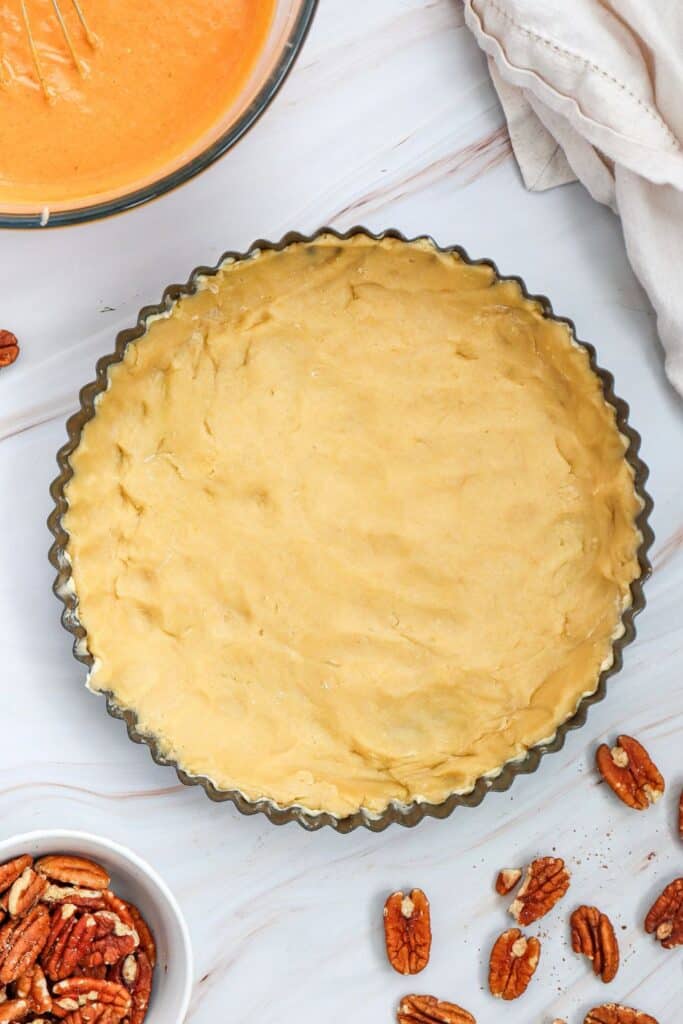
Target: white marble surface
<point x="388" y="119"/>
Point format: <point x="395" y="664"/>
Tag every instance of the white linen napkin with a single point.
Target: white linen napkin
<point x="593" y="89"/>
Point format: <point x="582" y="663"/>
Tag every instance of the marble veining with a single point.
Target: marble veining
<point x="389" y="119"/>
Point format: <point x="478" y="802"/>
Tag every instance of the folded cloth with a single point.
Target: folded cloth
<point x="593" y="89"/>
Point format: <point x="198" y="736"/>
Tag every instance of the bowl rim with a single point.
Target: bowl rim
<point x="96" y="211"/>
<point x="410" y="814"/>
<point x="75" y="836"/>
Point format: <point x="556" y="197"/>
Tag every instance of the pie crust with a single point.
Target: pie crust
<point x="352" y="525"/>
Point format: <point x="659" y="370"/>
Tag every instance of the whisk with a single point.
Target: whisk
<point x="58" y="8"/>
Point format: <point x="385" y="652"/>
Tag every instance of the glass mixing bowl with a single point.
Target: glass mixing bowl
<point x="291" y="21"/>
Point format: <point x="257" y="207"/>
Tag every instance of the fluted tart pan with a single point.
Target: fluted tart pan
<point x="404" y="814"/>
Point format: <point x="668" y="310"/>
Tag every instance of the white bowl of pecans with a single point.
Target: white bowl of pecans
<point x="89" y="934"/>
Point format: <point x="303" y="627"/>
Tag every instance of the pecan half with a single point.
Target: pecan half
<point x="13" y="1009"/>
<point x="22" y="942"/>
<point x="99" y="972"/>
<point x="147" y="942"/>
<point x="593" y="935"/>
<point x="10" y="871"/>
<point x="665" y="917"/>
<point x="70" y="940"/>
<point x="24" y="892"/>
<point x="74" y="993"/>
<point x="611" y="1013"/>
<point x="408" y="931"/>
<point x="135" y="972"/>
<point x="39" y="996"/>
<point x="113" y="940"/>
<point x="9" y="349"/>
<point x="93" y="1013"/>
<point x="76" y="871"/>
<point x="514" y="959"/>
<point x="32" y="986"/>
<point x="546" y="882"/>
<point x="630" y="771"/>
<point x="88" y="899"/>
<point x="507" y="880"/>
<point x="119" y="907"/>
<point x="429" y="1010"/>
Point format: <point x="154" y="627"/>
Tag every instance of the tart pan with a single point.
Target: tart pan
<point x="402" y="814"/>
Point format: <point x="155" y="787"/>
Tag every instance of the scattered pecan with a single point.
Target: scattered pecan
<point x="630" y="771"/>
<point x="546" y="882"/>
<point x="69" y="943"/>
<point x="429" y="1010"/>
<point x="610" y="1013"/>
<point x="145" y="935"/>
<point x="10" y="871"/>
<point x="665" y="917"/>
<point x="75" y="871"/>
<point x="24" y="892"/>
<point x="73" y="993"/>
<point x="408" y="931"/>
<point x="22" y="942"/>
<point x="13" y="1009"/>
<point x="9" y="348"/>
<point x="593" y="935"/>
<point x="113" y="940"/>
<point x="514" y="959"/>
<point x="507" y="880"/>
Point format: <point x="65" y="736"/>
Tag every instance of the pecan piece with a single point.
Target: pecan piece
<point x="9" y="351"/>
<point x="24" y="892"/>
<point x="69" y="942"/>
<point x="629" y="770"/>
<point x="546" y="882"/>
<point x="507" y="880"/>
<point x="10" y="871"/>
<point x="74" y="993"/>
<point x="113" y="940"/>
<point x="429" y="1010"/>
<point x="593" y="935"/>
<point x="147" y="942"/>
<point x="408" y="931"/>
<point x="22" y="942"/>
<point x="514" y="959"/>
<point x="76" y="871"/>
<point x="13" y="1009"/>
<point x="665" y="917"/>
<point x="611" y="1013"/>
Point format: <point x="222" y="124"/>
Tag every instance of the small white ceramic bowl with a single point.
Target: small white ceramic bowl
<point x="133" y="879"/>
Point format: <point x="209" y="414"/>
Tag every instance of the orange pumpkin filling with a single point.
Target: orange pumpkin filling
<point x="99" y="98"/>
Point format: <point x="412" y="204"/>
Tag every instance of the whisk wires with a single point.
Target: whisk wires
<point x="47" y="89"/>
